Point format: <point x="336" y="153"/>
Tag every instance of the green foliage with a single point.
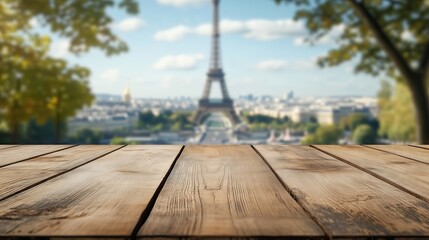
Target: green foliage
<point x="388" y="37"/>
<point x="34" y="85"/>
<point x="357" y="41"/>
<point x="311" y="127"/>
<point x="312" y="120"/>
<point x="121" y="141"/>
<point x="327" y="134"/>
<point x="86" y="136"/>
<point x="352" y="121"/>
<point x="258" y="118"/>
<point x="118" y="141"/>
<point x="39" y="133"/>
<point x="86" y="23"/>
<point x="396" y="113"/>
<point x="166" y="121"/>
<point x="264" y="122"/>
<point x="364" y="134"/>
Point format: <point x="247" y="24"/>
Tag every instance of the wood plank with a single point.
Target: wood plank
<point x="347" y="202"/>
<point x="418" y="154"/>
<point x="410" y="175"/>
<point x="3" y="146"/>
<point x="104" y="198"/>
<point x="420" y="146"/>
<point x="16" y="154"/>
<point x="22" y="175"/>
<point x="225" y="191"/>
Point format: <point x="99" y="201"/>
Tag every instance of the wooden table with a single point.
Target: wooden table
<point x="228" y="191"/>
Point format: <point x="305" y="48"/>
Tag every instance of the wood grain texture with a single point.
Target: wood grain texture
<point x="103" y="198"/>
<point x="418" y="154"/>
<point x="411" y="175"/>
<point x="346" y="201"/>
<point x="225" y="191"/>
<point x="16" y="154"/>
<point x="3" y="146"/>
<point x="19" y="176"/>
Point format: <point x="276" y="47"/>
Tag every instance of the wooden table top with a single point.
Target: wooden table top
<point x="221" y="191"/>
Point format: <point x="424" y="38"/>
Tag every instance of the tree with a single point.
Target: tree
<point x="311" y="127"/>
<point x="39" y="133"/>
<point x="121" y="141"/>
<point x="353" y="120"/>
<point x="327" y="134"/>
<point x="395" y="113"/>
<point x="86" y="23"/>
<point x="364" y="134"/>
<point x="389" y="37"/>
<point x="27" y="72"/>
<point x="118" y="141"/>
<point x="86" y="136"/>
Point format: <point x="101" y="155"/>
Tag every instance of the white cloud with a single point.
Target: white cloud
<point x="257" y="29"/>
<point x="60" y="48"/>
<point x="179" y="62"/>
<point x="280" y="65"/>
<point x="130" y="24"/>
<point x="183" y="3"/>
<point x="172" y="34"/>
<point x="328" y="38"/>
<point x="269" y="30"/>
<point x="272" y="65"/>
<point x="232" y="26"/>
<point x="111" y="74"/>
<point x="304" y="64"/>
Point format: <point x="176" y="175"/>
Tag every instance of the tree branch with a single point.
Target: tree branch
<point x="383" y="40"/>
<point x="424" y="62"/>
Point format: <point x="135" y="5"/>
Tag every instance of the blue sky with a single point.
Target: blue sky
<point x="262" y="53"/>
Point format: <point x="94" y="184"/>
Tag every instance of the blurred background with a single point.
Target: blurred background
<point x="138" y="71"/>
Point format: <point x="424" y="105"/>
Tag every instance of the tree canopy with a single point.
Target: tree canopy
<point x="364" y="134"/>
<point x="395" y="113"/>
<point x="327" y="134"/>
<point x="34" y="85"/>
<point x="389" y="37"/>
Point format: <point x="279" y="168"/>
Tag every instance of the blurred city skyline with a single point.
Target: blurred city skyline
<point x="263" y="53"/>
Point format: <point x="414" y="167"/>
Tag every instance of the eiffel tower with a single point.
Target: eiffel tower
<point x="215" y="73"/>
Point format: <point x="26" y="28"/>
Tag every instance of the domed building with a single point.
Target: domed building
<point x="127" y="95"/>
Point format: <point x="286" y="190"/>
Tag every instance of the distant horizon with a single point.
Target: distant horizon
<point x="242" y="95"/>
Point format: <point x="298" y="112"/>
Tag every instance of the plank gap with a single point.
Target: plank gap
<point x="32" y="157"/>
<point x="58" y="174"/>
<point x="419" y="146"/>
<point x="399" y="155"/>
<point x="7" y="146"/>
<point x="146" y="212"/>
<point x="288" y="189"/>
<point x="374" y="174"/>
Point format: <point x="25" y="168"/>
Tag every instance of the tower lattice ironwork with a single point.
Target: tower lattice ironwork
<point x="215" y="73"/>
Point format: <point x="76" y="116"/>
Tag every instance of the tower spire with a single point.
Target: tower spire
<point x="215" y="61"/>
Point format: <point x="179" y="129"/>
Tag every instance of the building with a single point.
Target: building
<point x="127" y="95"/>
<point x="333" y="115"/>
